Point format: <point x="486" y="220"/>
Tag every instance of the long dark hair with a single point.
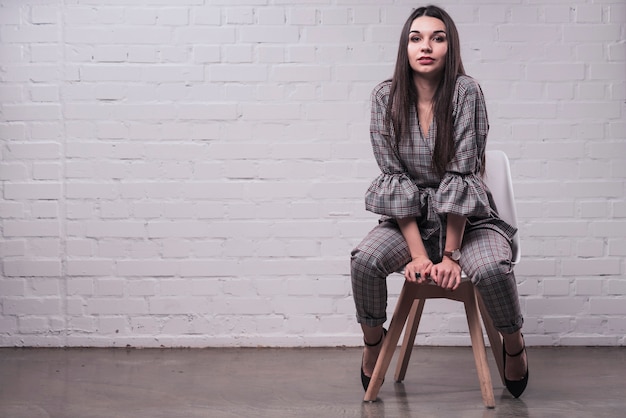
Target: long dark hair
<point x="403" y="93"/>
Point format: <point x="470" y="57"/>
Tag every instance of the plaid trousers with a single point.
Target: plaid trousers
<point x="485" y="258"/>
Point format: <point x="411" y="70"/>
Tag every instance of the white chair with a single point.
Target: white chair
<point x="413" y="296"/>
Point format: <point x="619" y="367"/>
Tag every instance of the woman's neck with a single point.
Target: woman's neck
<point x="426" y="88"/>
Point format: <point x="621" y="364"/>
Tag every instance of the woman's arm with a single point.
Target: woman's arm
<point x="461" y="193"/>
<point x="447" y="273"/>
<point x="454" y="231"/>
<point x="393" y="193"/>
<point x="419" y="267"/>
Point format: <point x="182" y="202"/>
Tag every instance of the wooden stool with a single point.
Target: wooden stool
<point x="410" y="306"/>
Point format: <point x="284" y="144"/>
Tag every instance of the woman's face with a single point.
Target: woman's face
<point x="428" y="46"/>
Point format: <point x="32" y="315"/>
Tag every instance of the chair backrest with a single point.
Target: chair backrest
<point x="498" y="179"/>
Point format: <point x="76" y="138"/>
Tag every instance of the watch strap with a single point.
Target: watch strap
<point x="454" y="255"/>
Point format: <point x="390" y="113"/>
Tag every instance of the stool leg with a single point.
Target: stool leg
<point x="405" y="301"/>
<point x="409" y="338"/>
<point x="478" y="346"/>
<point x="495" y="340"/>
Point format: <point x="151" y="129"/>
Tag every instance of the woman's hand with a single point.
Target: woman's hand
<point x="447" y="274"/>
<point x="418" y="270"/>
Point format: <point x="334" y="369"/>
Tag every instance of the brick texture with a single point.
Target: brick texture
<point x="192" y="172"/>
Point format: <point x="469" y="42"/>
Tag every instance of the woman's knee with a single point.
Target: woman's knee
<point x="382" y="252"/>
<point x="364" y="262"/>
<point x="492" y="271"/>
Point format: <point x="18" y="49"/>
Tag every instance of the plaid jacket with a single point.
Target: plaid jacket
<point x="409" y="187"/>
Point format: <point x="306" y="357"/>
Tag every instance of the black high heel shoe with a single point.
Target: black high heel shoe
<point x="516" y="387"/>
<point x="365" y="380"/>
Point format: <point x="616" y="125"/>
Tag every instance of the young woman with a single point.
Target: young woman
<point x="428" y="132"/>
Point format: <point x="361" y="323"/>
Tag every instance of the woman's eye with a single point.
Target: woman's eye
<point x="415" y="39"/>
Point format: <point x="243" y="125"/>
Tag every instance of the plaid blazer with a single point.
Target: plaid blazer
<point x="409" y="187"/>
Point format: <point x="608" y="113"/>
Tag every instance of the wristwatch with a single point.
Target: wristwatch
<point x="455" y="255"/>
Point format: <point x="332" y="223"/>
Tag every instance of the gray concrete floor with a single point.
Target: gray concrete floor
<point x="311" y="382"/>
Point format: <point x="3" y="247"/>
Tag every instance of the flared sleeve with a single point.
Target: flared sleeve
<point x="462" y="191"/>
<point x="392" y="193"/>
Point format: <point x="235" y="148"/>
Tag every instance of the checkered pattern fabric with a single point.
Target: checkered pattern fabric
<point x="409" y="187"/>
<point x="485" y="258"/>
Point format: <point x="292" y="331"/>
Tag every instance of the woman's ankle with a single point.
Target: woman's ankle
<point x="372" y="336"/>
<point x="514" y="343"/>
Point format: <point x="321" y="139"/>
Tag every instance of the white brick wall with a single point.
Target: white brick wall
<point x="192" y="173"/>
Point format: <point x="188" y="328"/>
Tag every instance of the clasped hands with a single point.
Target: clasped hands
<point x="446" y="274"/>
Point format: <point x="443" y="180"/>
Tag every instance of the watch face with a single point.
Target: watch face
<point x="454" y="255"/>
